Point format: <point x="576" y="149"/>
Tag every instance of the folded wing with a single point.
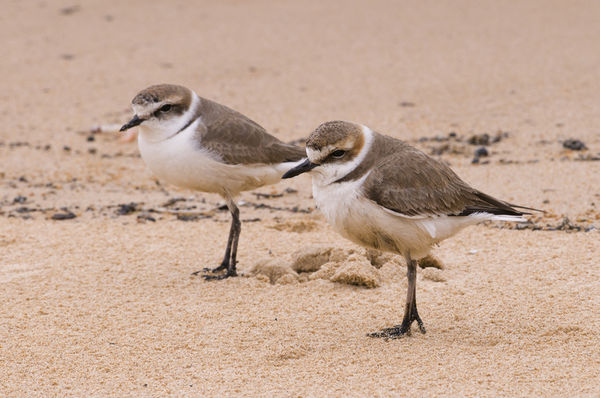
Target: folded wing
<point x="413" y="184"/>
<point x="240" y="140"/>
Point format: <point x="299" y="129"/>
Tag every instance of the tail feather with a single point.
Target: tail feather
<point x="487" y="204"/>
<point x="526" y="208"/>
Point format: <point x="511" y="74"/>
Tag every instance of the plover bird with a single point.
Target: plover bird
<point x="382" y="193"/>
<point x="195" y="143"/>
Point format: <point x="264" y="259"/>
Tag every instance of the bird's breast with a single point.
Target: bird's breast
<point x="182" y="161"/>
<point x="340" y="203"/>
<point x="366" y="223"/>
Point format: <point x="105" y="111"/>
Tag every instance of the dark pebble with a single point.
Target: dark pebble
<point x="126" y="208"/>
<point x="172" y="201"/>
<point x="91" y="138"/>
<point x="23" y="179"/>
<point x="481" y="152"/>
<point x="67" y="215"/>
<point x="20" y="199"/>
<point x="66" y="148"/>
<point x="189" y="217"/>
<point x="267" y="195"/>
<point x="145" y="217"/>
<point x="19" y="144"/>
<point x="479" y="139"/>
<point x="69" y="10"/>
<point x="574" y="144"/>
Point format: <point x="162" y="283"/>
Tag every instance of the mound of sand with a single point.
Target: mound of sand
<point x="357" y="271"/>
<point x="322" y="262"/>
<point x="274" y="271"/>
<point x="311" y="258"/>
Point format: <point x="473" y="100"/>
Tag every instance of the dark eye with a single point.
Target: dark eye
<point x="338" y="154"/>
<point x="165" y="108"/>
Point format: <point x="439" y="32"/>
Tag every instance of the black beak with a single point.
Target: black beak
<point x="301" y="168"/>
<point x="132" y="123"/>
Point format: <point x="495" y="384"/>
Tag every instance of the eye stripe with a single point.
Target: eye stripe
<point x="173" y="109"/>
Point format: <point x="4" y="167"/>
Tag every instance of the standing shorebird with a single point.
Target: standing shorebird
<point x="382" y="193"/>
<point x="195" y="143"/>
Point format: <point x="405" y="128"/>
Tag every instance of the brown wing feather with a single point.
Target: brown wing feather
<point x="409" y="182"/>
<point x="239" y="140"/>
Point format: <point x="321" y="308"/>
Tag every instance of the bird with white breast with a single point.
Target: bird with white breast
<point x="195" y="143"/>
<point x="382" y="193"/>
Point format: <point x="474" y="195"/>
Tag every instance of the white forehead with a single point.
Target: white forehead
<point x="139" y="109"/>
<point x="316" y="155"/>
<point x="146" y="109"/>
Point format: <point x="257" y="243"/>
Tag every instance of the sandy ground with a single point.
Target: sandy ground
<point x="103" y="304"/>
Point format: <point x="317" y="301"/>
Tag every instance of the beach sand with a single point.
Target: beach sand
<point x="97" y="296"/>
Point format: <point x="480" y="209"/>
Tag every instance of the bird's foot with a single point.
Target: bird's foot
<point x="398" y="331"/>
<point x="391" y="333"/>
<point x="220" y="268"/>
<point x="226" y="275"/>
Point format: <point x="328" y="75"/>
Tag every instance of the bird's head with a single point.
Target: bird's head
<point x="334" y="149"/>
<point x="161" y="110"/>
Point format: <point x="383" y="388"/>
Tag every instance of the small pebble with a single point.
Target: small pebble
<point x="479" y="139"/>
<point x="574" y="144"/>
<point x="67" y="215"/>
<point x="481" y="152"/>
<point x="145" y="217"/>
<point x="20" y="199"/>
<point x="126" y="208"/>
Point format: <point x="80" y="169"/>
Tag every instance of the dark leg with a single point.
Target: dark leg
<point x="229" y="261"/>
<point x="225" y="263"/>
<point x="410" y="310"/>
<point x="236" y="225"/>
